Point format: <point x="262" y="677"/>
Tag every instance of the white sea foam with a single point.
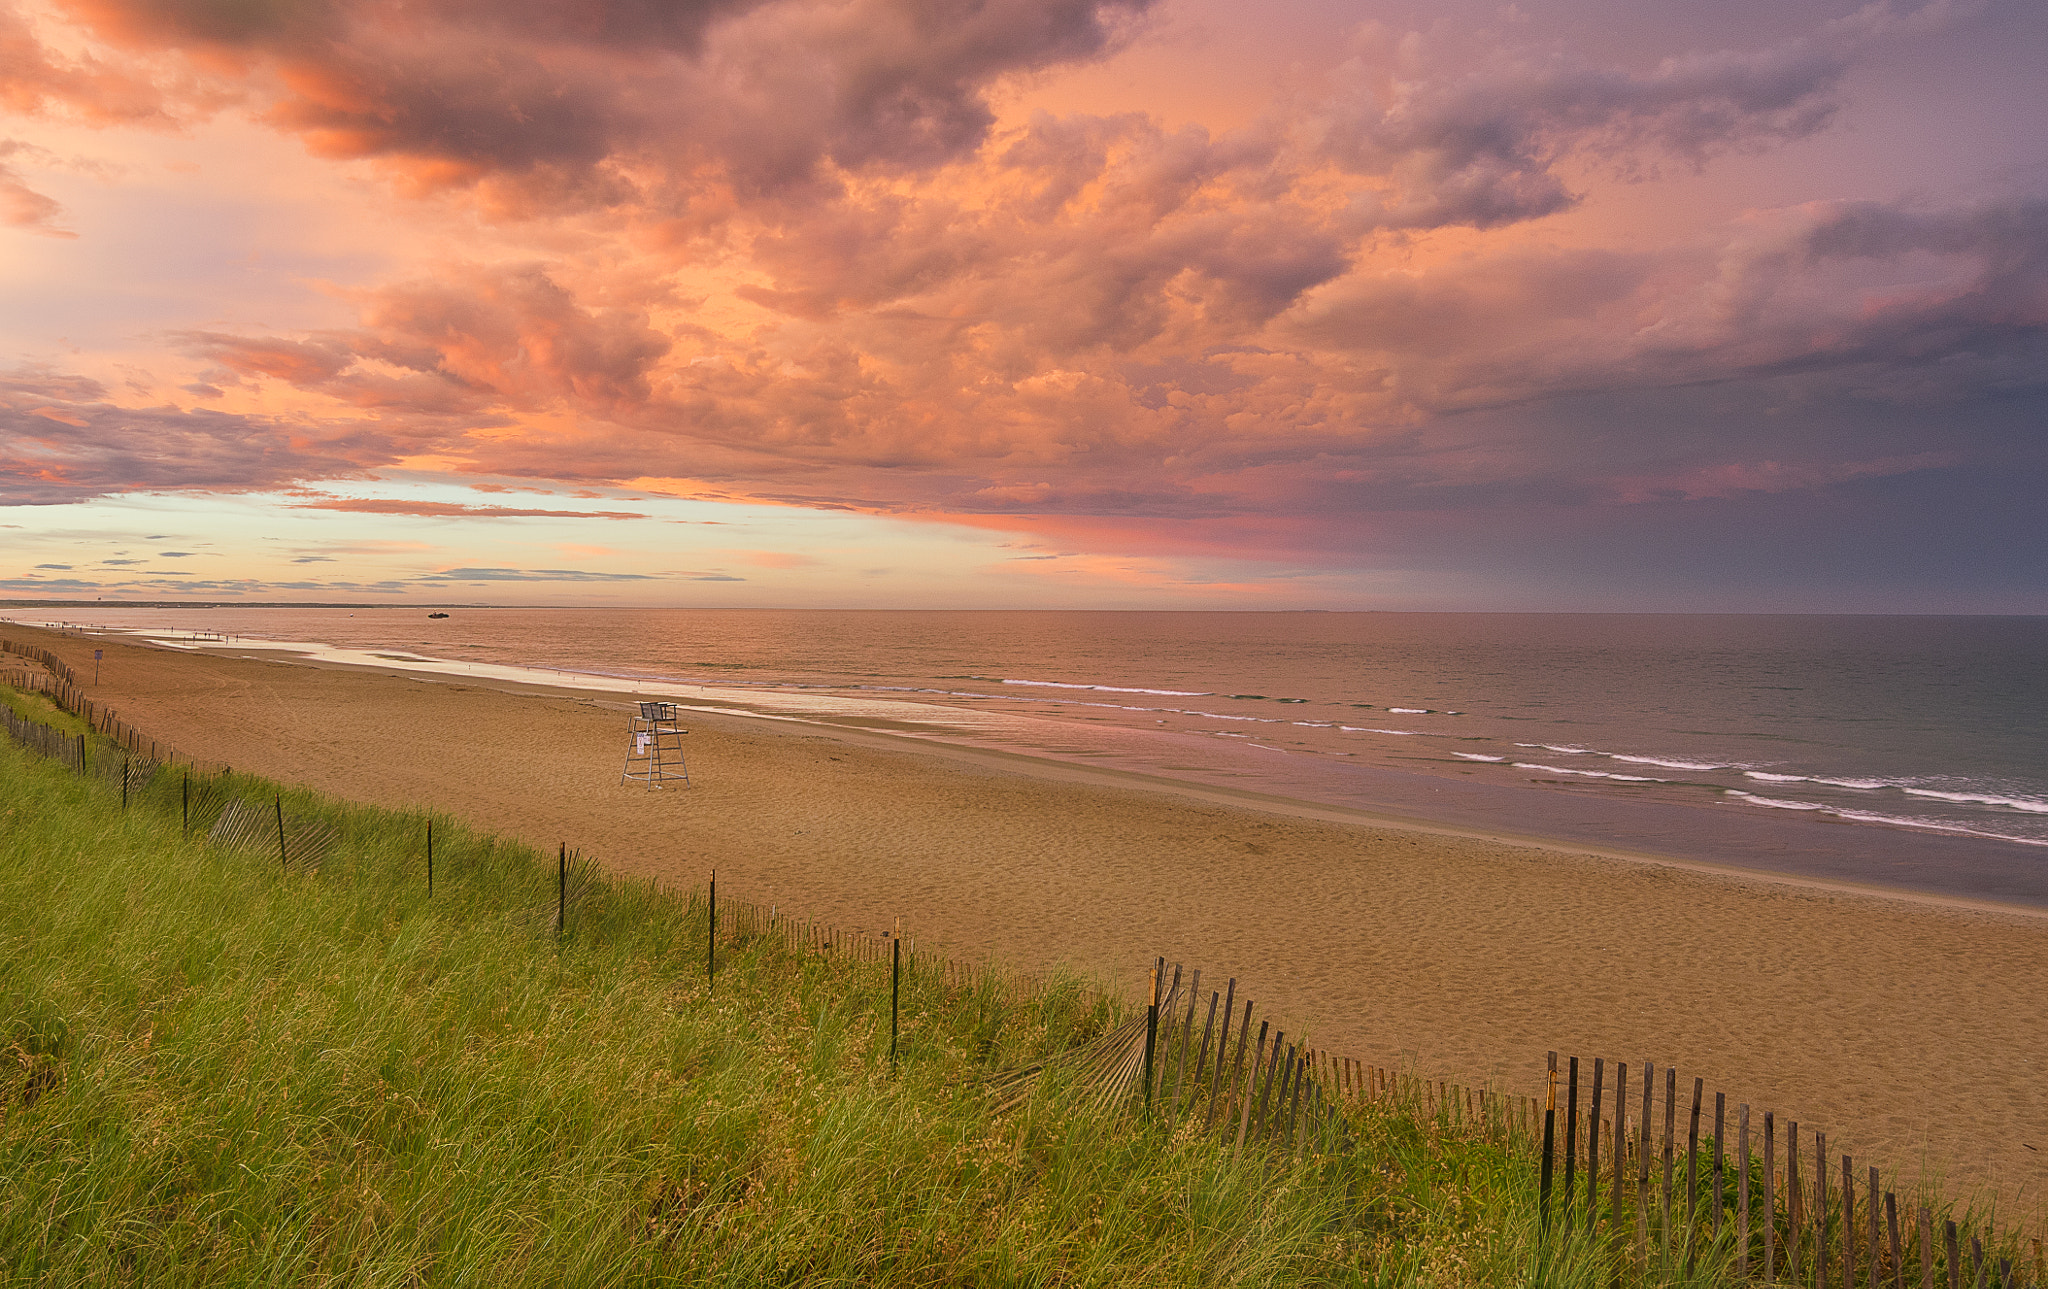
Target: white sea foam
<point x="1670" y="764"/>
<point x="1864" y="785"/>
<point x="1477" y="756"/>
<point x="1113" y="689"/>
<point x="1411" y="711"/>
<point x="1588" y="774"/>
<point x="1779" y="803"/>
<point x="1872" y="817"/>
<point x="2030" y="805"/>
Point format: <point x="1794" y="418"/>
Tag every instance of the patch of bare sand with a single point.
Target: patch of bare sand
<point x="1914" y="1033"/>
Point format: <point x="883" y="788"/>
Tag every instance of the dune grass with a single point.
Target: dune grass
<point x="39" y="708"/>
<point x="213" y="1072"/>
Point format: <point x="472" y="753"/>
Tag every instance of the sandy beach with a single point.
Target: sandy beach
<point x="1913" y="1031"/>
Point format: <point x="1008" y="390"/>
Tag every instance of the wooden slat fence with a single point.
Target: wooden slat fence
<point x="60" y="684"/>
<point x="1778" y="1220"/>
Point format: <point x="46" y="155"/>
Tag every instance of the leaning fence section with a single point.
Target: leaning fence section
<point x="1605" y="1140"/>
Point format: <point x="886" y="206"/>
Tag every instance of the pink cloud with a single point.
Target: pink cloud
<point x="20" y="205"/>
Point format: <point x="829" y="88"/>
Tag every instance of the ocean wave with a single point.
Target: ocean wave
<point x="1670" y="764"/>
<point x="1114" y="689"/>
<point x="1863" y="785"/>
<point x="2030" y="805"/>
<point x="1663" y="762"/>
<point x="1477" y="756"/>
<point x="1590" y="774"/>
<point x="1411" y="711"/>
<point x="2026" y="805"/>
<point x="1872" y="817"/>
<point x="1361" y="729"/>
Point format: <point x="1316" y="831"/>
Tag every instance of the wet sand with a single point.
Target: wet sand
<point x="1914" y="1031"/>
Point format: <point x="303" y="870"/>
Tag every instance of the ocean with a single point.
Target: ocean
<point x="1921" y="743"/>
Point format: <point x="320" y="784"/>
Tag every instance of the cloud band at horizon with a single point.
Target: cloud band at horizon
<point x="1143" y="303"/>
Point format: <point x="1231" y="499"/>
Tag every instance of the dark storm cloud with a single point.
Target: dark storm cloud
<point x="543" y="96"/>
<point x="62" y="440"/>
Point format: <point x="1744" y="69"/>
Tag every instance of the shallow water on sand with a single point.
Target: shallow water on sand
<point x="1916" y="726"/>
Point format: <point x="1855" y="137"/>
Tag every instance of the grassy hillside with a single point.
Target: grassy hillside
<point x="215" y="1072"/>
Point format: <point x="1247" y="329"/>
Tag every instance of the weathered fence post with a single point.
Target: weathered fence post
<point x="1670" y="1127"/>
<point x="1849" y="1232"/>
<point x="1620" y="1143"/>
<point x="1795" y="1199"/>
<point x="1249" y="1083"/>
<point x="1266" y="1090"/>
<point x="284" y="862"/>
<point x="1692" y="1167"/>
<point x="1593" y="1147"/>
<point x="1222" y="1048"/>
<point x="1152" y="1028"/>
<point x="1549" y="1144"/>
<point x="1891" y="1222"/>
<point x="1643" y="1161"/>
<point x="430" y="857"/>
<point x="1820" y="1203"/>
<point x="1180" y="1064"/>
<point x="711" y="936"/>
<point x="1926" y="1247"/>
<point x="1571" y="1135"/>
<point x="1720" y="1129"/>
<point x="1742" y="1191"/>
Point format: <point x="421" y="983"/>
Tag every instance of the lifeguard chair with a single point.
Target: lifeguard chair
<point x="654" y="754"/>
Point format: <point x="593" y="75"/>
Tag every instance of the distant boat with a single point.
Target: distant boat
<point x="437" y="615"/>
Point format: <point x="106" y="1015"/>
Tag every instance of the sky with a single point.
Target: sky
<point x="1177" y="304"/>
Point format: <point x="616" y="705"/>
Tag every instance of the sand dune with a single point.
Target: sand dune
<point x="1914" y="1032"/>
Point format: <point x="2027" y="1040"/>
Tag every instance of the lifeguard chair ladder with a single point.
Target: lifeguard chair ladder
<point x="654" y="752"/>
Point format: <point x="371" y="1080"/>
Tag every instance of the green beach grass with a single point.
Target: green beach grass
<point x="213" y="1072"/>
